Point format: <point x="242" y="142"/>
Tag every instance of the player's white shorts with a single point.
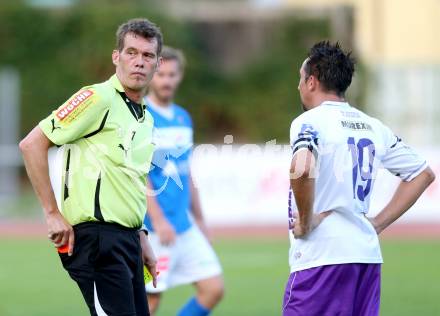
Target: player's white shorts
<point x="190" y="259"/>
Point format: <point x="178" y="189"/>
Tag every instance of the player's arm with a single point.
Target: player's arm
<point x="304" y="140"/>
<point x="161" y="225"/>
<point x="405" y="196"/>
<point x="415" y="175"/>
<point x="196" y="207"/>
<point x="77" y="117"/>
<point x="34" y="148"/>
<point x="302" y="183"/>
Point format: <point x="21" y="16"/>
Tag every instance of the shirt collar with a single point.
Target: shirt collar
<point x="114" y="81"/>
<point x="167" y="112"/>
<point x="335" y="103"/>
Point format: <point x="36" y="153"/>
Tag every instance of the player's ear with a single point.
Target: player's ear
<point x="312" y="83"/>
<point x="115" y="57"/>
<point x="180" y="74"/>
<point x="180" y="77"/>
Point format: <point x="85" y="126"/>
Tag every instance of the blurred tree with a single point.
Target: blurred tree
<point x="59" y="50"/>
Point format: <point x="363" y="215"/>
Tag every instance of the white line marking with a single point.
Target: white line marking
<point x="290" y="292"/>
<point x="98" y="306"/>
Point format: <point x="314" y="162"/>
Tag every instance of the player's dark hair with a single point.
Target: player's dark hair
<point x="169" y="53"/>
<point x="332" y="66"/>
<point x="141" y="27"/>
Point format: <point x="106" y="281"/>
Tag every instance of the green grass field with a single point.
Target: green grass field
<point x="33" y="283"/>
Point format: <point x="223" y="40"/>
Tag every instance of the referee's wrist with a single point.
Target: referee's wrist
<point x="144" y="230"/>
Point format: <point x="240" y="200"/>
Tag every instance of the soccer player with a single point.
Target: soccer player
<point x="178" y="232"/>
<point x="335" y="257"/>
<point x="93" y="190"/>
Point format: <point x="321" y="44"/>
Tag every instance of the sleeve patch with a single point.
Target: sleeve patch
<point x="307" y="130"/>
<point x="306" y="138"/>
<point x="73" y="104"/>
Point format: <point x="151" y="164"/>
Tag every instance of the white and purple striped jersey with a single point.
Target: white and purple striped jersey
<point x="350" y="147"/>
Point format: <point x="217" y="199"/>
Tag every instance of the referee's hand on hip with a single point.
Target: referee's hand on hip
<point x="60" y="232"/>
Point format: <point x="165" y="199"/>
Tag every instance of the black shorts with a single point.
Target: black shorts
<point x="107" y="265"/>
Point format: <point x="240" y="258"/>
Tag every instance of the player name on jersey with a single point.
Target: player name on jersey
<point x="356" y="125"/>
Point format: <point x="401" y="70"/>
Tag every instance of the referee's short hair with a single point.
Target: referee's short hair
<point x="170" y="53"/>
<point x="141" y="27"/>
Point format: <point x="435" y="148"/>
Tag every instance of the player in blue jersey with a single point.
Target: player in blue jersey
<point x="175" y="219"/>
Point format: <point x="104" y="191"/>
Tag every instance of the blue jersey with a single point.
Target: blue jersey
<point x="170" y="173"/>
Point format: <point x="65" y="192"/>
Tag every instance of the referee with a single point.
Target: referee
<point x="92" y="189"/>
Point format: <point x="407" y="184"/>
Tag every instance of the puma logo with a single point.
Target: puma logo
<point x="123" y="148"/>
<point x="53" y="125"/>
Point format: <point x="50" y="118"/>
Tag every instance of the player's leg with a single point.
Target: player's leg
<point x="367" y="301"/>
<point x="119" y="287"/>
<point x="324" y="290"/>
<point x="79" y="265"/>
<point x="198" y="264"/>
<point x="153" y="302"/>
<point x="210" y="291"/>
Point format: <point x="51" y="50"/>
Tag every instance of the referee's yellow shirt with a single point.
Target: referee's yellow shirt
<point x="104" y="157"/>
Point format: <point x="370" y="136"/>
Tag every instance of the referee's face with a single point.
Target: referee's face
<point x="136" y="62"/>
